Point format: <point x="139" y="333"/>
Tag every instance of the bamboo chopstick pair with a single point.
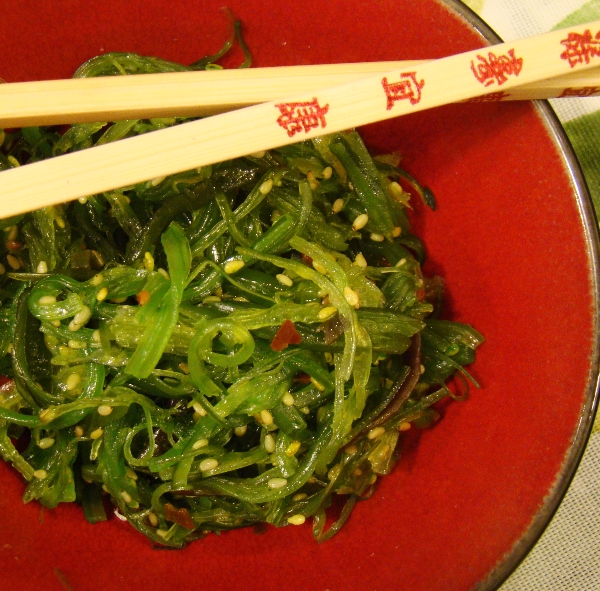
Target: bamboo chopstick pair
<point x="564" y="60"/>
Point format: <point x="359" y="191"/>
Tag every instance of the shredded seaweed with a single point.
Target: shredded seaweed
<point x="224" y="347"/>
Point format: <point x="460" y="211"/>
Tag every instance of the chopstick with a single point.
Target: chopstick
<point x="198" y="143"/>
<point x="191" y="94"/>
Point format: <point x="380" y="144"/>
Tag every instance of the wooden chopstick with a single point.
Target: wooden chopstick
<point x="187" y="94"/>
<point x="474" y="74"/>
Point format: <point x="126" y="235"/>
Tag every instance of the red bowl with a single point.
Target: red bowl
<point x="515" y="237"/>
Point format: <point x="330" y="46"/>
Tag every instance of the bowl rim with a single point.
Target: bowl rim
<point x="540" y="521"/>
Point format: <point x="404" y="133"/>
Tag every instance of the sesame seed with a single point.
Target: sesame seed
<point x="73" y="381"/>
<point x="82" y="200"/>
<point x="266" y="187"/>
<point x="200" y="443"/>
<point x="79" y="431"/>
<point x="208" y="464"/>
<point x="360" y="222"/>
<point x="96" y="280"/>
<point x="299" y="497"/>
<point x="296" y="519"/>
<point x="13" y="161"/>
<point x="276" y="482"/>
<point x="377" y="237"/>
<point x="104" y="410"/>
<point x="241" y="430"/>
<point x="211" y="299"/>
<point x="118" y="300"/>
<point x="395" y="190"/>
<point x="396" y="231"/>
<point x="357" y="472"/>
<point x="320" y="268"/>
<point x="2" y="269"/>
<point x="60" y="223"/>
<point x="157" y="181"/>
<point x="148" y="262"/>
<point x="351" y="450"/>
<point x="46" y="442"/>
<point x="233" y="266"/>
<point x="284" y="280"/>
<point x="162" y="533"/>
<point x="47" y="300"/>
<point x="41" y="474"/>
<point x="292" y="448"/>
<point x="422" y="369"/>
<point x="360" y="261"/>
<point x="338" y="205"/>
<point x="164" y="273"/>
<point x="13" y="232"/>
<point x="131" y="473"/>
<point x="351" y="296"/>
<point x="327" y="312"/>
<point x="97" y="261"/>
<point x="376" y="432"/>
<point x="97" y="433"/>
<point x="328" y="357"/>
<point x="96" y="336"/>
<point x="260" y="154"/>
<point x="126" y="496"/>
<point x="102" y="294"/>
<point x="288" y="399"/>
<point x="184" y="367"/>
<point x="153" y="519"/>
<point x="13" y="261"/>
<point x="266" y="418"/>
<point x="305" y="410"/>
<point x="334" y="472"/>
<point x="400" y="263"/>
<point x="199" y="409"/>
<point x="80" y="319"/>
<point x="404" y="426"/>
<point x="269" y="443"/>
<point x="42" y="267"/>
<point x="317" y="384"/>
<point x="74" y="344"/>
<point x="55" y="323"/>
<point x="327" y="172"/>
<point x="119" y="515"/>
<point x="312" y="181"/>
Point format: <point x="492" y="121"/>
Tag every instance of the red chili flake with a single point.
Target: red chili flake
<point x="179" y="516"/>
<point x="13" y="245"/>
<point x="421" y="294"/>
<point x="307" y="260"/>
<point x="143" y="297"/>
<point x="6" y="384"/>
<point x="286" y="335"/>
<point x="302" y="378"/>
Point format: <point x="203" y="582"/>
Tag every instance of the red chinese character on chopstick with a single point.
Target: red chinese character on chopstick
<point x="408" y="88"/>
<point x="580" y="91"/>
<point x="580" y="48"/>
<point x="496" y="68"/>
<point x="296" y="117"/>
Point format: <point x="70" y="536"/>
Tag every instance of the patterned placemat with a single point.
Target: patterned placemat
<point x="567" y="557"/>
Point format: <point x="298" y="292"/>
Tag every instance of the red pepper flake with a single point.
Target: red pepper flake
<point x="6" y="384"/>
<point x="307" y="260"/>
<point x="13" y="245"/>
<point x="286" y="335"/>
<point x="302" y="378"/>
<point x="143" y="297"/>
<point x="421" y="294"/>
<point x="179" y="516"/>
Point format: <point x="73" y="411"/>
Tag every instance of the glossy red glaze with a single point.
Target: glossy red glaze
<point x="508" y="238"/>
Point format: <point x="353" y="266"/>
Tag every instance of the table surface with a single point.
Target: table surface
<point x="567" y="557"/>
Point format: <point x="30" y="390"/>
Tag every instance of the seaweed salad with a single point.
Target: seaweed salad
<point x="237" y="345"/>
